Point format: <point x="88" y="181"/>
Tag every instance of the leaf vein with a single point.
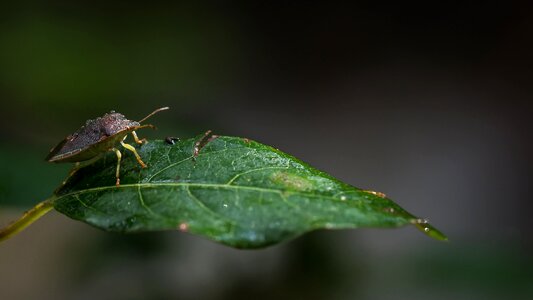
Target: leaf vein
<point x="141" y="200"/>
<point x="168" y="167"/>
<point x="254" y="170"/>
<point x="201" y="185"/>
<point x="204" y="207"/>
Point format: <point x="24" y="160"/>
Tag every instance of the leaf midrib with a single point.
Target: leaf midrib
<point x="201" y="185"/>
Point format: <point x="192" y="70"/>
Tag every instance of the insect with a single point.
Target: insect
<point x="98" y="136"/>
<point x="171" y="140"/>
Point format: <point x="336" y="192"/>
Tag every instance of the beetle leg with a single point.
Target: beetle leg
<point x="82" y="164"/>
<point x="132" y="149"/>
<point x="77" y="166"/>
<point x="119" y="157"/>
<point x="136" y="138"/>
<point x="74" y="169"/>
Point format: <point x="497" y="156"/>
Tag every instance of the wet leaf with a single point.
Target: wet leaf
<point x="237" y="192"/>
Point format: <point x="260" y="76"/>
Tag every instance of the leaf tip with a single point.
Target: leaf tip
<point x="428" y="229"/>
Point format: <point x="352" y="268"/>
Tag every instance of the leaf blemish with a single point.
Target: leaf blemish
<point x="202" y="142"/>
<point x="379" y="194"/>
<point x="291" y="181"/>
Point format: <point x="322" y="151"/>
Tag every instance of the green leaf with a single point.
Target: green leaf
<point x="236" y="191"/>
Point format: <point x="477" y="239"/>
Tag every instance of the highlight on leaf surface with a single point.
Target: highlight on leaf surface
<point x="234" y="191"/>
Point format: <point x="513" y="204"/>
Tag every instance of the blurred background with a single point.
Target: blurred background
<point x="428" y="102"/>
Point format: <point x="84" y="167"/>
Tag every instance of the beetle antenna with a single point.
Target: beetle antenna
<point x="154" y="112"/>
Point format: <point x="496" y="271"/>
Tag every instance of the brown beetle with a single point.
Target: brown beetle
<point x="98" y="136"/>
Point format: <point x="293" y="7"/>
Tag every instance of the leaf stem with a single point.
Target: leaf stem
<point x="27" y="219"/>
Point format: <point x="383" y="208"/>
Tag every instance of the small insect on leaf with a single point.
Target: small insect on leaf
<point x="98" y="136"/>
<point x="171" y="140"/>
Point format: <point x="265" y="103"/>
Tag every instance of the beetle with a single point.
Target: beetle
<point x="98" y="136"/>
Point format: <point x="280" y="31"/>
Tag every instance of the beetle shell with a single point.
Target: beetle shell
<point x="95" y="137"/>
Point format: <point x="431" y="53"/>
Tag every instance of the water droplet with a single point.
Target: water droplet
<point x="129" y="221"/>
<point x="424" y="226"/>
<point x="389" y="210"/>
<point x="419" y="221"/>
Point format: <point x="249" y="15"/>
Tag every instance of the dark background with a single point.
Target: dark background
<point x="429" y="102"/>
